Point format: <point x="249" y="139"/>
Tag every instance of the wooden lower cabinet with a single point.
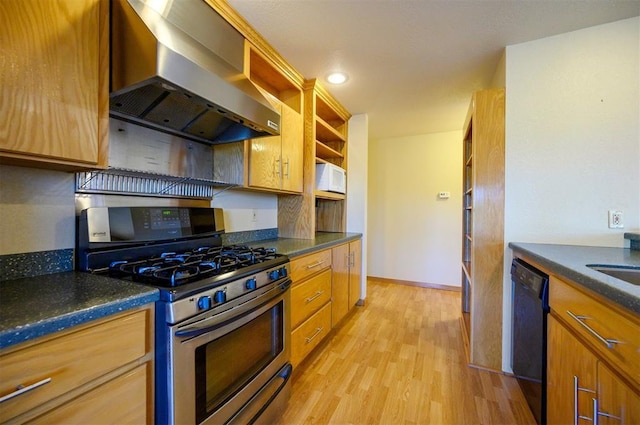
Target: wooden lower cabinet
<point x="346" y="262"/>
<point x="571" y="372"/>
<point x="127" y="392"/>
<point x="79" y="373"/>
<point x="310" y="302"/>
<point x="593" y="358"/>
<point x="309" y="296"/>
<point x="617" y="402"/>
<point x="309" y="334"/>
<point x="576" y="374"/>
<point x="326" y="286"/>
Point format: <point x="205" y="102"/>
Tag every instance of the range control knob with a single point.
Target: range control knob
<point x="274" y="274"/>
<point x="251" y="284"/>
<point x="220" y="296"/>
<point x="282" y="272"/>
<point x="204" y="303"/>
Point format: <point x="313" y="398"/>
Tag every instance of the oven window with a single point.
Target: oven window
<point x="226" y="364"/>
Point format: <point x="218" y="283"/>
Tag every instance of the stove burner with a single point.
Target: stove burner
<point x="172" y="269"/>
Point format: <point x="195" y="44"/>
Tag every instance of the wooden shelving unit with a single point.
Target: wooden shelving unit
<point x="329" y="137"/>
<point x="483" y="227"/>
<point x="325" y="141"/>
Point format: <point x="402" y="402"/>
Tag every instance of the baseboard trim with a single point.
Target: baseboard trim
<point x="420" y="284"/>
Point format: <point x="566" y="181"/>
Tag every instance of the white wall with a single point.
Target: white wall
<point x="244" y="211"/>
<point x="572" y="140"/>
<point x="37" y="209"/>
<point x="358" y="165"/>
<point x="414" y="235"/>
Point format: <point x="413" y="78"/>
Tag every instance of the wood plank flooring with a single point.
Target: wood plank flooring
<point x="401" y="360"/>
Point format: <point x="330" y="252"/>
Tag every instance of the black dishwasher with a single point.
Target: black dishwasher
<point x="529" y="334"/>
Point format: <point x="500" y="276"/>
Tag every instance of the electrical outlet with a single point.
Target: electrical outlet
<point x="615" y="219"/>
<point x="254" y="215"/>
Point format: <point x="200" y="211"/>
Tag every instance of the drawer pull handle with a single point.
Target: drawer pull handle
<point x="316" y="264"/>
<point x="21" y="389"/>
<point x="312" y="337"/>
<point x="319" y="293"/>
<point x="609" y="343"/>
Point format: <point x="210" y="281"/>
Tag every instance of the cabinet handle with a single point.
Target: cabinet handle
<point x="319" y="293"/>
<point x="576" y="413"/>
<point x="277" y="166"/>
<point x="609" y="343"/>
<point x="287" y="164"/>
<point x="316" y="264"/>
<point x="21" y="389"/>
<point x="597" y="413"/>
<point x="312" y="337"/>
<point x="352" y="259"/>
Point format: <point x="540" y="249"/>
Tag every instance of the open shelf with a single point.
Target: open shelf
<point x="321" y="194"/>
<point x="325" y="152"/>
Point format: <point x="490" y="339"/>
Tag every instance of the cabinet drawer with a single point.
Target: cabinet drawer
<point x="309" y="296"/>
<point x="599" y="325"/>
<point x="70" y="360"/>
<point x="128" y="392"/>
<point x="309" y="334"/>
<point x="309" y="264"/>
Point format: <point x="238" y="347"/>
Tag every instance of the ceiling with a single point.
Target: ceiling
<point x="413" y="64"/>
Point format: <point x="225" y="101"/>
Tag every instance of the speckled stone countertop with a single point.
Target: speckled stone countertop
<point x="297" y="247"/>
<point x="31" y="307"/>
<point x="571" y="261"/>
<point x="36" y="306"/>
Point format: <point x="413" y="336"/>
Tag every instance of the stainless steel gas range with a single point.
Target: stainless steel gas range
<point x="222" y="322"/>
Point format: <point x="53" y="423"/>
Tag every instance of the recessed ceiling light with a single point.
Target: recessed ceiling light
<point x="337" y="77"/>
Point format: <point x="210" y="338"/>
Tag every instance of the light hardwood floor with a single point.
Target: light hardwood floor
<point x="401" y="360"/>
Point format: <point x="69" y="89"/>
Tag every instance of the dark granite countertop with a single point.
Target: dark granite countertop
<point x="571" y="261"/>
<point x="36" y="306"/>
<point x="297" y="247"/>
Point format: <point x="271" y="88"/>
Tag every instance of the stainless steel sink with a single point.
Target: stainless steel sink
<point x="630" y="274"/>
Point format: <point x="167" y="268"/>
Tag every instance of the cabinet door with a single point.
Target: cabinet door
<point x="50" y="81"/>
<point x="355" y="272"/>
<point x="571" y="377"/>
<point x="292" y="149"/>
<point x="340" y="283"/>
<point x="617" y="403"/>
<point x="128" y="392"/>
<point x="264" y="159"/>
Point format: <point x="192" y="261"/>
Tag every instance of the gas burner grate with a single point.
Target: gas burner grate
<point x="171" y="269"/>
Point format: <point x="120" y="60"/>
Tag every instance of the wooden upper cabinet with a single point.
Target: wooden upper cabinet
<point x="272" y="163"/>
<point x="54" y="87"/>
<point x="276" y="162"/>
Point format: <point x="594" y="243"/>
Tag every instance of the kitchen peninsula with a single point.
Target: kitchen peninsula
<point x="593" y="350"/>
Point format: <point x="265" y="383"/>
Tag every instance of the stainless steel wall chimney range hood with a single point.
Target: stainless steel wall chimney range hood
<point x="176" y="66"/>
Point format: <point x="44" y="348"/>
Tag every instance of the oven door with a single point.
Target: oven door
<point x="232" y="366"/>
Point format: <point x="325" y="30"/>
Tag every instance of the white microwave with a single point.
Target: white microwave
<point x="331" y="178"/>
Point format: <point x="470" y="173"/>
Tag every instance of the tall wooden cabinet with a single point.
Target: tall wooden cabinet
<point x="54" y="83"/>
<point x="483" y="227"/>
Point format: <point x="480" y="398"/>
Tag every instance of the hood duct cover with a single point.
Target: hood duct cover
<point x="177" y="66"/>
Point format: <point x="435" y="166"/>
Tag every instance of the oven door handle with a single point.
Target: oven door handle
<point x="259" y="301"/>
